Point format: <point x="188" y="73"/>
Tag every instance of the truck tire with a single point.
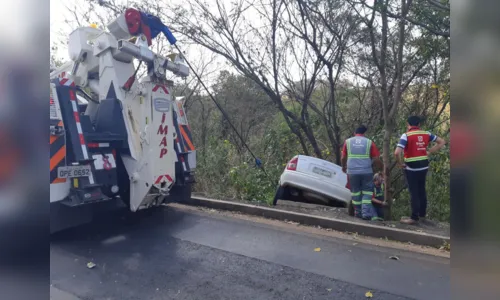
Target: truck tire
<point x="180" y="193"/>
<point x="64" y="217"/>
<point x="123" y="181"/>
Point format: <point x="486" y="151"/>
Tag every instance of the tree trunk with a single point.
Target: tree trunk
<point x="386" y="157"/>
<point x="390" y="115"/>
<point x="313" y="142"/>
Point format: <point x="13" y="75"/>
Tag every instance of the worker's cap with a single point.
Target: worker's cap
<point x="377" y="176"/>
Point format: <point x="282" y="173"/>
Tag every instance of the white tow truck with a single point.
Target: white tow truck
<point x="113" y="136"/>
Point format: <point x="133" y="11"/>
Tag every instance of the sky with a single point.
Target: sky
<point x="58" y="14"/>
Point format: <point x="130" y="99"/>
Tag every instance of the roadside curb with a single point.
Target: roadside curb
<point x="394" y="234"/>
<point x="57" y="294"/>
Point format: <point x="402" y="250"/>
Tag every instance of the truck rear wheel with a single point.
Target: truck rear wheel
<point x="123" y="181"/>
<point x="180" y="194"/>
<point x="63" y="217"/>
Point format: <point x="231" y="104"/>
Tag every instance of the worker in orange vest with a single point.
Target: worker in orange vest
<point x="414" y="144"/>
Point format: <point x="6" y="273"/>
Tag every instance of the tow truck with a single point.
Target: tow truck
<point x="113" y="136"/>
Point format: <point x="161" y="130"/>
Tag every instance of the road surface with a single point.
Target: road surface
<point x="181" y="254"/>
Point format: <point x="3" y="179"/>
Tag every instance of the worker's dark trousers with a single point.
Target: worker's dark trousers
<point x="416" y="186"/>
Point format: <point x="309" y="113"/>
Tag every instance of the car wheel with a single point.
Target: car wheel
<point x="282" y="193"/>
<point x="350" y="209"/>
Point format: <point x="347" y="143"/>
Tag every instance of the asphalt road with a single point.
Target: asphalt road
<point x="174" y="254"/>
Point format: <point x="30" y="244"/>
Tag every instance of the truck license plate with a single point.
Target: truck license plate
<point x="322" y="172"/>
<point x="73" y="171"/>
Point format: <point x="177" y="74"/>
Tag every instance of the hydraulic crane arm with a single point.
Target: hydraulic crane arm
<point x="62" y="70"/>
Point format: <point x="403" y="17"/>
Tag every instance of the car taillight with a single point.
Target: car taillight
<point x="292" y="164"/>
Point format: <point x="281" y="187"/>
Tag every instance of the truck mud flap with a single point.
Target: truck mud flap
<point x="85" y="196"/>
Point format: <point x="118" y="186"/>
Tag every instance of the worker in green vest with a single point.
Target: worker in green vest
<point x="378" y="196"/>
<point x="358" y="155"/>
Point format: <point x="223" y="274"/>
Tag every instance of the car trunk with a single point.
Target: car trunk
<point x="322" y="170"/>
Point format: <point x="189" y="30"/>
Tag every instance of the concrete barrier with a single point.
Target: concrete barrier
<point x="395" y="234"/>
<point x="57" y="294"/>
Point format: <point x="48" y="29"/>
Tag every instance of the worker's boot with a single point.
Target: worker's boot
<point x="408" y="221"/>
<point x="367" y="210"/>
<point x="357" y="208"/>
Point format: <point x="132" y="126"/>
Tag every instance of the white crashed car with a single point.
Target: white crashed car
<point x="313" y="180"/>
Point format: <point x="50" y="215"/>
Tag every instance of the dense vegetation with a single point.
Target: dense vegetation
<point x="297" y="76"/>
<point x="227" y="170"/>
